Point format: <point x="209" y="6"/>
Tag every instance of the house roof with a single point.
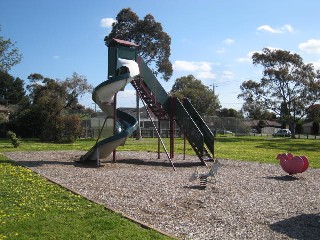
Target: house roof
<point x="123" y="42"/>
<point x="267" y="123"/>
<point x="272" y="123"/>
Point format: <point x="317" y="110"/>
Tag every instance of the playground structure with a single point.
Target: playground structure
<point x="203" y="177"/>
<point x="126" y="66"/>
<point x="293" y="164"/>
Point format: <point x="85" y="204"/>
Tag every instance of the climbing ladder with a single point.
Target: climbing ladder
<point x="149" y="98"/>
<point x="184" y="114"/>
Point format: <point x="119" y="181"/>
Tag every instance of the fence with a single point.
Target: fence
<point x="224" y="125"/>
<point x="217" y="125"/>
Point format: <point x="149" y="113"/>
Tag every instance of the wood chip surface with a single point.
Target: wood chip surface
<point x="245" y="200"/>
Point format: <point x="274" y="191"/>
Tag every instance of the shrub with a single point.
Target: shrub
<point x="65" y="128"/>
<point x="71" y="128"/>
<point x="13" y="138"/>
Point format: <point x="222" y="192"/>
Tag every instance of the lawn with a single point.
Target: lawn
<point x="262" y="149"/>
<point x="253" y="148"/>
<point x="33" y="208"/>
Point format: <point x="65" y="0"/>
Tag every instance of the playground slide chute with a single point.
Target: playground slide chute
<point x="103" y="96"/>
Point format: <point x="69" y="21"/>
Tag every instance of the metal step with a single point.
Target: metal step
<point x="149" y="98"/>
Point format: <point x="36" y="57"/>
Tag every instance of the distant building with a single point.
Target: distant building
<point x="6" y="111"/>
<point x="307" y="128"/>
<point x="263" y="126"/>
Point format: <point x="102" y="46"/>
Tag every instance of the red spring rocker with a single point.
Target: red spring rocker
<point x="293" y="164"/>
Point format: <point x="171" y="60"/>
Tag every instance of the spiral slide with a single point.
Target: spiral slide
<point x="103" y="96"/>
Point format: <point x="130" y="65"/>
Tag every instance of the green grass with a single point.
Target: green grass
<point x="33" y="208"/>
<point x="265" y="150"/>
<point x="255" y="148"/>
<point x="36" y="145"/>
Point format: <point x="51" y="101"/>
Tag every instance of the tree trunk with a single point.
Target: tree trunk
<point x="293" y="129"/>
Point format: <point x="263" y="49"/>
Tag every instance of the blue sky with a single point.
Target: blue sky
<point x="211" y="39"/>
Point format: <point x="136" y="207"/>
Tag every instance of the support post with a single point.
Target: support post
<point x="159" y="127"/>
<point x="138" y="137"/>
<point x="98" y="157"/>
<point x="171" y="137"/>
<point x="171" y="123"/>
<point x="114" y="152"/>
<point x="184" y="144"/>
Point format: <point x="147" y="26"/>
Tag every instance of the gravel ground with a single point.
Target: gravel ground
<point x="245" y="200"/>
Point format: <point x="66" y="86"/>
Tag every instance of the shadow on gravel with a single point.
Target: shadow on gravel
<point x="40" y="163"/>
<point x="72" y="162"/>
<point x="158" y="163"/>
<point x="196" y="187"/>
<point x="286" y="178"/>
<point x="301" y="227"/>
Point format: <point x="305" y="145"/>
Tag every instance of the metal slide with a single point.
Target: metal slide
<point x="103" y="95"/>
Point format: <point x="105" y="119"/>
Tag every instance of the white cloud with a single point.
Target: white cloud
<point x="126" y="98"/>
<point x="247" y="58"/>
<point x="227" y="75"/>
<point x="267" y="28"/>
<point x="199" y="69"/>
<point x="107" y="22"/>
<point x="283" y="29"/>
<point x="311" y="46"/>
<point x="206" y="75"/>
<point x="272" y="49"/>
<point x="191" y="66"/>
<point x="56" y="57"/>
<point x="288" y="28"/>
<point x="316" y="64"/>
<point x="228" y="41"/>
